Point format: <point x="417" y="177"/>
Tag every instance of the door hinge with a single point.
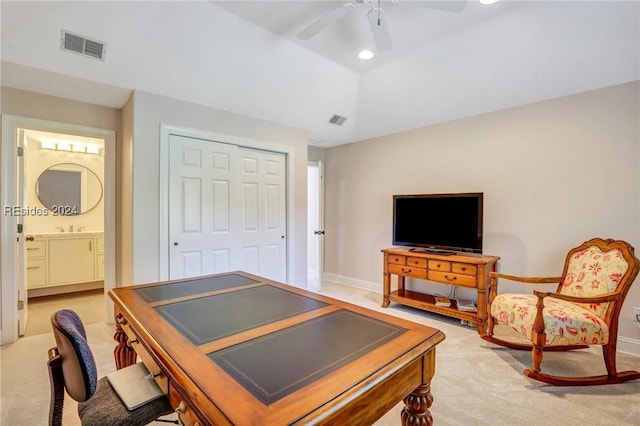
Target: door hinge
<point x="20" y="305"/>
<point x="20" y="151"/>
<point x="20" y="227"/>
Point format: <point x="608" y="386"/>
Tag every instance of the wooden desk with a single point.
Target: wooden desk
<point x="240" y="349"/>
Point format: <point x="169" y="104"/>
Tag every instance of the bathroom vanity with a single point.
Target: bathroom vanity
<point x="65" y="258"/>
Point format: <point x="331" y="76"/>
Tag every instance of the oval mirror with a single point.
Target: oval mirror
<point x="69" y="189"/>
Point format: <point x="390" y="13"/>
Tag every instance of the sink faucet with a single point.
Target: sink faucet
<point x="60" y="228"/>
<point x="70" y="228"/>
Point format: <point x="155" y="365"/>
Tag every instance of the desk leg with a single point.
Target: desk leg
<point x="123" y="353"/>
<point x="417" y="404"/>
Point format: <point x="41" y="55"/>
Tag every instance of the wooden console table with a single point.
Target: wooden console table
<point x="466" y="270"/>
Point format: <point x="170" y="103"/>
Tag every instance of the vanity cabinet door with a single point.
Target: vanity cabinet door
<point x="71" y="260"/>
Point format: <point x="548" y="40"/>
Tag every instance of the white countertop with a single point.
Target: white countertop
<point x="66" y="234"/>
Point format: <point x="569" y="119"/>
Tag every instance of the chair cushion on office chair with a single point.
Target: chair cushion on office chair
<point x="565" y="323"/>
<point x="106" y="409"/>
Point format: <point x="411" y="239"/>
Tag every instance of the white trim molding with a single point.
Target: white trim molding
<point x="8" y="179"/>
<point x="629" y="346"/>
<point x="353" y="282"/>
<point x="166" y="130"/>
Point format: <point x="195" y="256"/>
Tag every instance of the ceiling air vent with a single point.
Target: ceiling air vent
<point x="81" y="45"/>
<point x="338" y="120"/>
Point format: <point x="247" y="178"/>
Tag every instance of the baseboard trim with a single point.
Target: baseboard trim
<point x="628" y="345"/>
<point x="353" y="282"/>
<point x="625" y="344"/>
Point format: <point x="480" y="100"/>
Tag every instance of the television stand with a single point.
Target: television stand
<point x="471" y="271"/>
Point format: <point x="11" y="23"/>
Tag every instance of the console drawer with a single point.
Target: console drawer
<point x="417" y="262"/>
<point x="452" y="279"/>
<point x="397" y="260"/>
<point x="408" y="271"/>
<point x="439" y="265"/>
<point x="464" y="268"/>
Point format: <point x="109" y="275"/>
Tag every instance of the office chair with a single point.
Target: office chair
<point x="73" y="367"/>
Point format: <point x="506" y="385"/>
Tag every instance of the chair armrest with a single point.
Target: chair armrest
<point x="529" y="280"/>
<point x="607" y="297"/>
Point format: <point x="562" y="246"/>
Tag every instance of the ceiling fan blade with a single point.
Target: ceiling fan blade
<point x="327" y="20"/>
<point x="379" y="29"/>
<point x="455" y="6"/>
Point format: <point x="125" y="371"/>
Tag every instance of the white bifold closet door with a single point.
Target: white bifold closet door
<point x="227" y="209"/>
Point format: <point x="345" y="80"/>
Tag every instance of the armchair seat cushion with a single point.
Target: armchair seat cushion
<point x="565" y="323"/>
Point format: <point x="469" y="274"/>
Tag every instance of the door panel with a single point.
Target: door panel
<point x="228" y="205"/>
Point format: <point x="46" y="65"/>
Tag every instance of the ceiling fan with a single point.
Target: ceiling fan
<point x="376" y="18"/>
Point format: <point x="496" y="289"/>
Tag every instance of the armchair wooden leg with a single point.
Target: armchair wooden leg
<point x="609" y="353"/>
<point x="536" y="357"/>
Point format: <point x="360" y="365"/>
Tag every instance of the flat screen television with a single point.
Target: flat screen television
<point x="444" y="223"/>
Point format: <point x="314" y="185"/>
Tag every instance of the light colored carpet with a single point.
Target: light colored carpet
<point x="476" y="383"/>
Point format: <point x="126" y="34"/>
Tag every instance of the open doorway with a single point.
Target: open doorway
<point x="315" y="225"/>
<point x="62" y="181"/>
<point x="35" y="153"/>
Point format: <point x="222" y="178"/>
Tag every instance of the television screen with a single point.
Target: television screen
<point x="449" y="222"/>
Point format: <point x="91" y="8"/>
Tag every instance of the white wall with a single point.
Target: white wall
<point x="541" y="50"/>
<point x="141" y="152"/>
<point x="553" y="173"/>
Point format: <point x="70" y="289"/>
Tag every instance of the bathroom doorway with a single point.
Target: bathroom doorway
<point x="63" y="225"/>
<point x="62" y="182"/>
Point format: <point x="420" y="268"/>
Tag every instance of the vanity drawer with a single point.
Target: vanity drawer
<point x="36" y="248"/>
<point x="452" y="279"/>
<point x="36" y="272"/>
<point x="408" y="271"/>
<point x="100" y="245"/>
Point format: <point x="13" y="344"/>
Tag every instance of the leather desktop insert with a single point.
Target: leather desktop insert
<point x="314" y="348"/>
<point x="276" y="364"/>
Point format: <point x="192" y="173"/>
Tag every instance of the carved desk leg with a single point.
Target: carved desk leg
<point x="416" y="411"/>
<point x="124" y="355"/>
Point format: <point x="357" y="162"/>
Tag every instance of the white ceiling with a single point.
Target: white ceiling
<point x="244" y="57"/>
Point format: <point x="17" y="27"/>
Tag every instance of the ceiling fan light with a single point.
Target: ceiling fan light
<point x="366" y="54"/>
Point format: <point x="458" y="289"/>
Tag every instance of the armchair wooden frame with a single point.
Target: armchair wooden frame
<point x="614" y="299"/>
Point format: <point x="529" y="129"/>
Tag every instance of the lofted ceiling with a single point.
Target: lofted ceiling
<point x="244" y="57"/>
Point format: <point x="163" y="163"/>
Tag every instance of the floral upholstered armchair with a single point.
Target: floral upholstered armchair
<point x="583" y="311"/>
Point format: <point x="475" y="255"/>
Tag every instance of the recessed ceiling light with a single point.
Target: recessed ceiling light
<point x="366" y="54"/>
<point x="488" y="1"/>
